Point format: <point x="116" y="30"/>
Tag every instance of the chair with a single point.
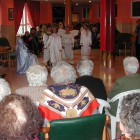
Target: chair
<point x="116" y="119"/>
<point x="103" y="104"/>
<point x="82" y="128"/>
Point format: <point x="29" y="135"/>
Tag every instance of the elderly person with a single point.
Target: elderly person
<point x="130" y="117"/>
<point x="4" y="88"/>
<point x="129" y="82"/>
<point x="37" y="77"/>
<point x="66" y="99"/>
<point x="20" y="118"/>
<point x="95" y="85"/>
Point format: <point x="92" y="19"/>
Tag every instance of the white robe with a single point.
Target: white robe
<point x="68" y="43"/>
<point x="85" y="41"/>
<point x="46" y="51"/>
<point x="55" y="47"/>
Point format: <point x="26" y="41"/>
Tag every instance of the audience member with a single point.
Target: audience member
<point x="129" y="82"/>
<point x="33" y="42"/>
<point x="4" y="88"/>
<point x="20" y="119"/>
<point x="26" y="38"/>
<point x="95" y="85"/>
<point x="130" y="117"/>
<point x="66" y="99"/>
<point x="37" y="77"/>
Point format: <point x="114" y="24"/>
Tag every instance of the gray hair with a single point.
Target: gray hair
<point x="131" y="64"/>
<point x="130" y="114"/>
<point x="37" y="75"/>
<point x="4" y="88"/>
<point x="85" y="67"/>
<point x="63" y="73"/>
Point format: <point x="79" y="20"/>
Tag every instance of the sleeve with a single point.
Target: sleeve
<point x="116" y="90"/>
<point x="90" y="38"/>
<point x="44" y="39"/>
<point x="62" y="40"/>
<point x="81" y="39"/>
<point x="59" y="43"/>
<point x="48" y="42"/>
<point x="72" y="41"/>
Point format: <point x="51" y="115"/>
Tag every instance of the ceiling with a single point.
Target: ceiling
<point x="80" y="2"/>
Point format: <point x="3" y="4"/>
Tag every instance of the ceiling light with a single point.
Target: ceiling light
<point x="76" y="3"/>
<point x="90" y="1"/>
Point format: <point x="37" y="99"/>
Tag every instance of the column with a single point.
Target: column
<point x="108" y="33"/>
<point x="7" y="27"/>
<point x="68" y="13"/>
<point x="45" y="12"/>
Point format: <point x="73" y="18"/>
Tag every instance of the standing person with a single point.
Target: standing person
<point x="55" y="46"/>
<point x="85" y="42"/>
<point x="33" y="42"/>
<point x="68" y="46"/>
<point x="137" y="31"/>
<point x="45" y="39"/>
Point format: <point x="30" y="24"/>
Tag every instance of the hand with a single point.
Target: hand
<point x="63" y="47"/>
<point x="44" y="48"/>
<point x="30" y="38"/>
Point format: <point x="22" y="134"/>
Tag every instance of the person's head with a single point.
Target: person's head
<point x="37" y="75"/>
<point x="38" y="28"/>
<point x="55" y="29"/>
<point x="49" y="28"/>
<point x="85" y="26"/>
<point x="20" y="119"/>
<point x="131" y="65"/>
<point x="27" y="33"/>
<point x="33" y="31"/>
<point x="67" y="29"/>
<point x="63" y="73"/>
<point x="130" y="115"/>
<point x="4" y="88"/>
<point x="85" y="67"/>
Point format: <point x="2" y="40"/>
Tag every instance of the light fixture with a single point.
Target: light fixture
<point x="90" y="1"/>
<point x="76" y="3"/>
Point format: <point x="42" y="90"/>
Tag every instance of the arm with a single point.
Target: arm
<point x="73" y="41"/>
<point x="90" y="38"/>
<point x="63" y="42"/>
<point x="81" y="39"/>
<point x="60" y="44"/>
<point x="48" y="42"/>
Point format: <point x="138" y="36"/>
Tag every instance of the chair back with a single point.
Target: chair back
<point x="103" y="104"/>
<point x="81" y="128"/>
<point x="120" y="97"/>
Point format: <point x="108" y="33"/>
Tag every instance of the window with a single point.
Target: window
<point x="24" y="24"/>
<point x="86" y="13"/>
<point x="135" y="8"/>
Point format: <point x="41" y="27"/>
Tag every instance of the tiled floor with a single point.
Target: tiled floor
<point x="108" y="76"/>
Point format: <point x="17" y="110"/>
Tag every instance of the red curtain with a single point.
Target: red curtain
<point x="34" y="12"/>
<point x="18" y="12"/>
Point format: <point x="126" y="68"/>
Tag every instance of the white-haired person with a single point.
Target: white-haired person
<point x="95" y="85"/>
<point x="130" y="117"/>
<point x="65" y="99"/>
<point x="37" y="78"/>
<point x="4" y="88"/>
<point x="129" y="82"/>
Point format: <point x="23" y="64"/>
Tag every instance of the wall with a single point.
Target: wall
<point x="7" y="27"/>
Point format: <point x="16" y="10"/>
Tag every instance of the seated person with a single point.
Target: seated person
<point x="66" y="99"/>
<point x="24" y="58"/>
<point x="37" y="77"/>
<point x="129" y="82"/>
<point x="95" y="85"/>
<point x="20" y="118"/>
<point x="4" y="88"/>
<point x="130" y="117"/>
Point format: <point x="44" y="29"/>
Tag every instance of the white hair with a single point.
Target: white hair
<point x="85" y="67"/>
<point x="131" y="64"/>
<point x="63" y="73"/>
<point x="4" y="88"/>
<point x="37" y="75"/>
